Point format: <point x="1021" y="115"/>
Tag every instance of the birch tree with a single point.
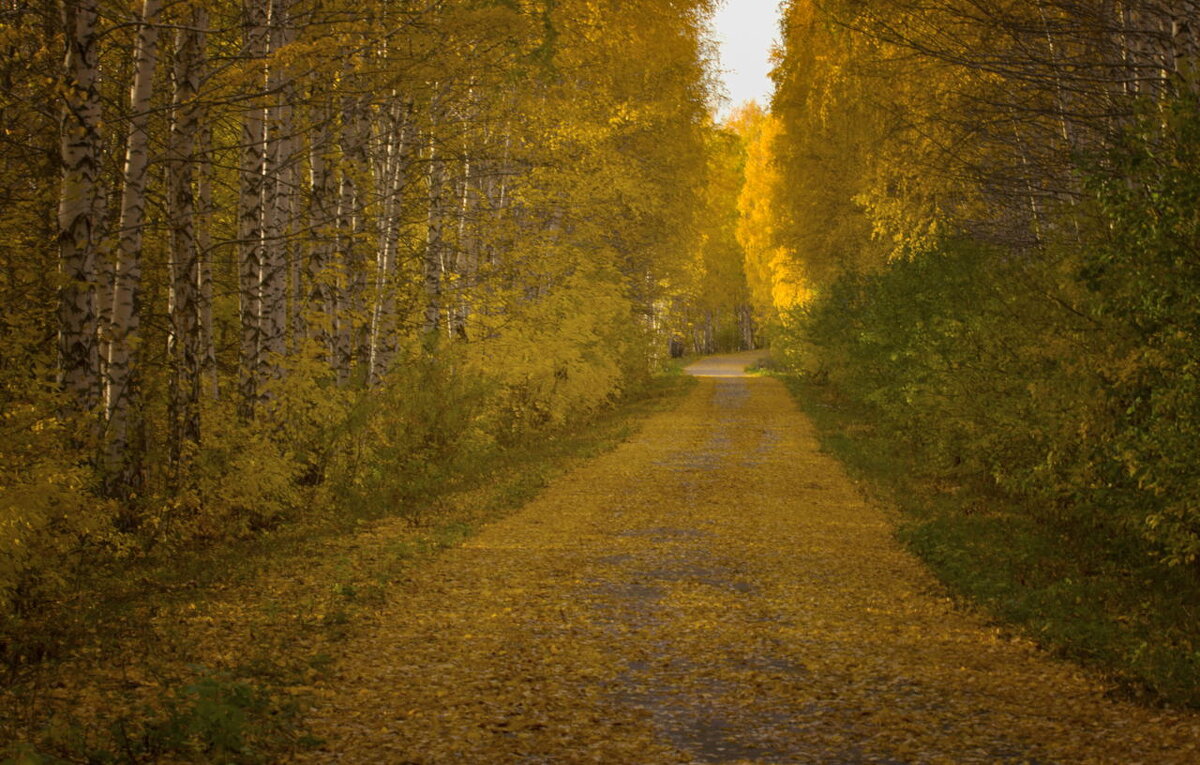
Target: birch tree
<point x="252" y="180"/>
<point x="391" y="168"/>
<point x="186" y="340"/>
<point x="433" y="261"/>
<point x="278" y="172"/>
<point x="120" y="385"/>
<point x="320" y="272"/>
<point x="79" y="209"/>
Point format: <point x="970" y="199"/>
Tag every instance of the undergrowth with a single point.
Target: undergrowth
<point x="208" y="654"/>
<point x="1072" y="587"/>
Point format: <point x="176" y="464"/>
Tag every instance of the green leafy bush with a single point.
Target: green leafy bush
<point x="1144" y="275"/>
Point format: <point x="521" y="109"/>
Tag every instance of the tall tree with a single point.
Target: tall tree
<point x="251" y="206"/>
<point x="120" y="391"/>
<point x="79" y="213"/>
<point x="187" y="338"/>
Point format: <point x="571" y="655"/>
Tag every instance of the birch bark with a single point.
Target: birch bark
<point x="120" y="385"/>
<point x="204" y="198"/>
<point x="433" y="262"/>
<point x="186" y="346"/>
<point x="250" y="210"/>
<point x="277" y="192"/>
<point x="79" y="207"/>
<point x="352" y="228"/>
<point x="390" y="169"/>
<point x="322" y="216"/>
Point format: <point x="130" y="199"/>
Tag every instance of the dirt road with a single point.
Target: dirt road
<point x="715" y="590"/>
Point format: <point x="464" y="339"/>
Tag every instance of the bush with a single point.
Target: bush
<point x="407" y="437"/>
<point x="965" y="362"/>
<point x="48" y="508"/>
<point x="1070" y="382"/>
<point x="1143" y="275"/>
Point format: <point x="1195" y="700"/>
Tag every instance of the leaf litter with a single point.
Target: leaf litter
<point x="715" y="590"/>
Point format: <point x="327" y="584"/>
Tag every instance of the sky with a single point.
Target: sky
<point x="745" y="31"/>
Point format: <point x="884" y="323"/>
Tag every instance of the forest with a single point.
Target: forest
<point x="264" y="262"/>
<point x="975" y="224"/>
<point x="264" y="259"/>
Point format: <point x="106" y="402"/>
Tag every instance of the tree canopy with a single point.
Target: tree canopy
<point x="293" y="250"/>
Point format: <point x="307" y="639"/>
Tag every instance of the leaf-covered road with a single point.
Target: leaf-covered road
<point x="715" y="590"/>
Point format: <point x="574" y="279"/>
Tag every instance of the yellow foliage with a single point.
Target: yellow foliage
<point x="775" y="276"/>
<point x="571" y="174"/>
<point x="48" y="508"/>
<point x="553" y="362"/>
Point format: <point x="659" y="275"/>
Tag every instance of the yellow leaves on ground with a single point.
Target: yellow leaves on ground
<point x="714" y="591"/>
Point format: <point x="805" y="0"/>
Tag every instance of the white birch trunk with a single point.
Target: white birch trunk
<point x="390" y="173"/>
<point x="276" y="206"/>
<point x="433" y="262"/>
<point x="340" y="308"/>
<point x="120" y="387"/>
<point x="466" y="257"/>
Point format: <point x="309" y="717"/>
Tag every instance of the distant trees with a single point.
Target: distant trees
<point x="714" y="313"/>
<point x="989" y="108"/>
<point x="774" y="276"/>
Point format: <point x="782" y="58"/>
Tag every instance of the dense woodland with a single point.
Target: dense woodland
<point x="267" y="259"/>
<point x="988" y="212"/>
<point x="979" y="221"/>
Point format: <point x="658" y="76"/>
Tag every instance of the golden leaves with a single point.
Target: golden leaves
<point x="715" y="590"/>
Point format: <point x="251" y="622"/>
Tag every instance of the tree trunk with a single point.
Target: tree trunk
<point x="186" y="346"/>
<point x="352" y="227"/>
<point x="204" y="198"/>
<point x="391" y="170"/>
<point x="466" y="257"/>
<point x="276" y="209"/>
<point x="433" y="263"/>
<point x="250" y="212"/>
<point x="322" y="215"/>
<point x="745" y="317"/>
<point x="79" y="208"/>
<point x="121" y="386"/>
<point x="342" y="288"/>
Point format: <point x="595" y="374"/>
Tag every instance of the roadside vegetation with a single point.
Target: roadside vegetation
<point x="1074" y="588"/>
<point x="985" y="275"/>
<point x="211" y="653"/>
<point x="262" y="262"/>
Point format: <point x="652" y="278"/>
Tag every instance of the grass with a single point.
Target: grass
<point x="209" y="655"/>
<point x="1071" y="585"/>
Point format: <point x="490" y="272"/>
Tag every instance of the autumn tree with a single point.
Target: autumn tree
<point x="714" y="311"/>
<point x="774" y="277"/>
<point x="969" y="188"/>
<point x="296" y="253"/>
